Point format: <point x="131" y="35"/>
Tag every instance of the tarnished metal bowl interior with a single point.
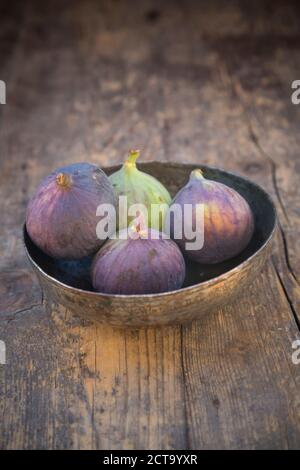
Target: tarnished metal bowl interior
<point x="206" y="287"/>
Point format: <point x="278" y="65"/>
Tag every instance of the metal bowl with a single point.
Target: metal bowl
<point x="205" y="288"/>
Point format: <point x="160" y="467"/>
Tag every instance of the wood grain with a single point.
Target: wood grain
<point x="191" y="82"/>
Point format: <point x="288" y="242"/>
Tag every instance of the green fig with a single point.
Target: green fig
<point x="139" y="188"/>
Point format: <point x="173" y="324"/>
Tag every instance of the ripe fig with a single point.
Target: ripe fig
<point x="228" y="219"/>
<point x="140" y="188"/>
<point x="61" y="216"/>
<point x="145" y="264"/>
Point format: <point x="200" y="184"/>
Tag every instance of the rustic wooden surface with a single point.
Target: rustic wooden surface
<point x="184" y="81"/>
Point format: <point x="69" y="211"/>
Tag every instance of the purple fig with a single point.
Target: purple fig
<point x="228" y="219"/>
<point x="145" y="264"/>
<point x="61" y="217"/>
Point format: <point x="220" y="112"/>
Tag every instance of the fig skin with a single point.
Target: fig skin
<point x="228" y="219"/>
<point x="61" y="216"/>
<point x="138" y="266"/>
<point x="140" y="188"/>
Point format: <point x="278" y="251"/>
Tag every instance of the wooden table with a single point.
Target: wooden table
<point x="184" y="81"/>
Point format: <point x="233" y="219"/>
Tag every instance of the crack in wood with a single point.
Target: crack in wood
<point x="17" y="314"/>
<point x="186" y="430"/>
<point x="289" y="300"/>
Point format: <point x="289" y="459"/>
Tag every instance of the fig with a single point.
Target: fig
<point x="61" y="216"/>
<point x="139" y="188"/>
<point x="228" y="222"/>
<point x="144" y="264"/>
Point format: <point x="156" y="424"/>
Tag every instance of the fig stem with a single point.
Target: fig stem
<point x="197" y="174"/>
<point x="132" y="157"/>
<point x="64" y="180"/>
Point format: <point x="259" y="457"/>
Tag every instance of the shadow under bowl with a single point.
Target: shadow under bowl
<point x="206" y="287"/>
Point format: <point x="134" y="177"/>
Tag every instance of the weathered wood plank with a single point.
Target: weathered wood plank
<point x="241" y="383"/>
<point x="197" y="83"/>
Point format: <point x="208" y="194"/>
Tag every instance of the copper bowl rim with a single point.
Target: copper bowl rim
<point x="214" y="280"/>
